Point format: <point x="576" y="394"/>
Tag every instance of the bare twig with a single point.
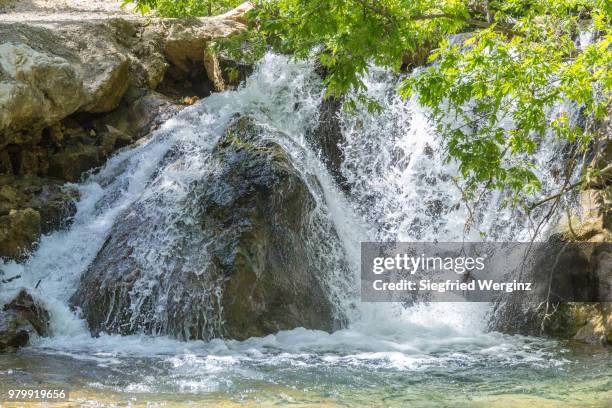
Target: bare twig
<point x="7" y="280"/>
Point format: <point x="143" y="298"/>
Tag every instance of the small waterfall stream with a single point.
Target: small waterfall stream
<point x="400" y="190"/>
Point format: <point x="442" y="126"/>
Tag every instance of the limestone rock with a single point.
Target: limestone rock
<point x="213" y="70"/>
<point x="35" y="87"/>
<point x="186" y="41"/>
<point x="72" y="93"/>
<point x="591" y="323"/>
<point x="109" y="85"/>
<point x="48" y="72"/>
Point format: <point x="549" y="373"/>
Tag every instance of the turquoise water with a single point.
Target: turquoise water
<point x="516" y="370"/>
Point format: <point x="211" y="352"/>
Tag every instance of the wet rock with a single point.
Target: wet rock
<point x="20" y="320"/>
<point x="69" y="163"/>
<point x="19" y="232"/>
<point x="327" y="138"/>
<point x="30" y="206"/>
<point x="55" y="204"/>
<point x="582" y="271"/>
<point x="31" y="311"/>
<point x="14" y="331"/>
<point x="234" y="72"/>
<point x="272" y="283"/>
<point x="239" y="265"/>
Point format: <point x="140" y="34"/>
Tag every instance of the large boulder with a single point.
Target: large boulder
<point x="20" y="319"/>
<point x="236" y="262"/>
<point x="35" y="87"/>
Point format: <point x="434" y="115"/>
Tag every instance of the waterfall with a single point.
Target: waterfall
<point x="400" y="189"/>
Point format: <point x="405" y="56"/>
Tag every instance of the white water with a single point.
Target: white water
<point x="398" y="185"/>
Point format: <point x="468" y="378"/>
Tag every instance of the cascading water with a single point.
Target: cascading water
<point x="400" y="190"/>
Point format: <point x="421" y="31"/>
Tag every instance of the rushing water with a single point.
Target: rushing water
<point x="425" y="355"/>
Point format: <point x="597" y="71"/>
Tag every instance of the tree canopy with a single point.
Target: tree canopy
<point x="182" y="8"/>
<point x="497" y="68"/>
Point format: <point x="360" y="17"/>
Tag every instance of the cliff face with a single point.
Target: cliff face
<point x="74" y="88"/>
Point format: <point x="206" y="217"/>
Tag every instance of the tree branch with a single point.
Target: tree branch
<point x="471" y="21"/>
<point x="566" y="189"/>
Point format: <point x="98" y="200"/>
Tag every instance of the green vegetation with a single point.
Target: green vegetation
<point x="181" y="8"/>
<point x="513" y="59"/>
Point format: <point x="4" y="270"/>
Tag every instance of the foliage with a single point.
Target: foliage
<point x="510" y="59"/>
<point x="180" y="8"/>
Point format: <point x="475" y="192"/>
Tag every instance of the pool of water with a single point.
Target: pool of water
<point x="303" y="367"/>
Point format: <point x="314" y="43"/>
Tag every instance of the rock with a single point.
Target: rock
<point x="38" y="205"/>
<point x="6" y="166"/>
<point x="19" y="232"/>
<point x="591" y="323"/>
<point x="588" y="322"/>
<point x="186" y="41"/>
<point x="49" y="71"/>
<point x="234" y="72"/>
<point x="131" y="121"/>
<point x="273" y="283"/>
<point x="74" y="160"/>
<point x="582" y="272"/>
<point x="9" y="198"/>
<point x="327" y="138"/>
<point x="73" y="93"/>
<point x="239" y="13"/>
<point x="213" y="69"/>
<point x="56" y="206"/>
<point x="239" y="265"/>
<point x="19" y="320"/>
<point x="36" y="88"/>
<point x="31" y="311"/>
<point x="14" y="331"/>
